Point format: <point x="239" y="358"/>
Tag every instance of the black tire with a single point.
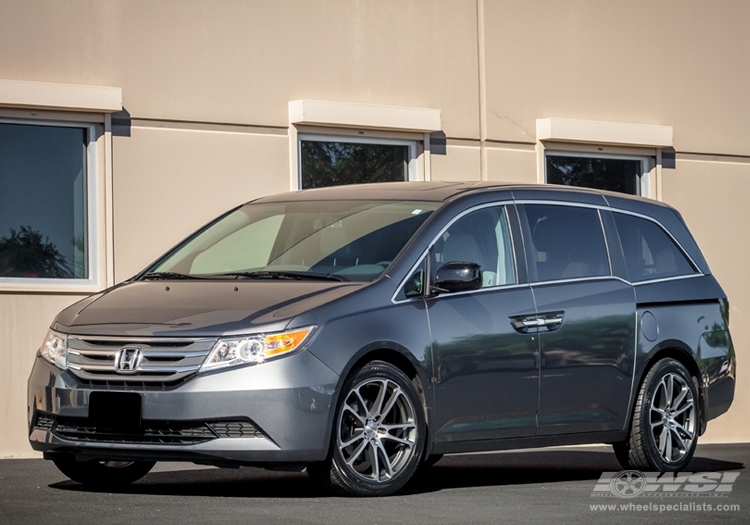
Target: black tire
<point x="393" y="433"/>
<point x="104" y="473"/>
<point x="664" y="430"/>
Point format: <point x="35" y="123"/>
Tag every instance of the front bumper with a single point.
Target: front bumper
<point x="281" y="409"/>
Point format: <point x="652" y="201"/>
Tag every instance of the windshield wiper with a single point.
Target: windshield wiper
<point x="168" y="275"/>
<point x="284" y="274"/>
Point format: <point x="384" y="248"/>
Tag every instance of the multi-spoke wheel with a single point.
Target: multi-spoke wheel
<point x="378" y="433"/>
<point x="104" y="473"/>
<point x="664" y="430"/>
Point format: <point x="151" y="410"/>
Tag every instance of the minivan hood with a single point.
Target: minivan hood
<point x="197" y="308"/>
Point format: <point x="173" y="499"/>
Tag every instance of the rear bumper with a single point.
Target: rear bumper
<point x="287" y="401"/>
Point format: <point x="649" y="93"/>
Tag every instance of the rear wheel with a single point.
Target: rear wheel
<point x="378" y="435"/>
<point x="664" y="431"/>
<point x="104" y="473"/>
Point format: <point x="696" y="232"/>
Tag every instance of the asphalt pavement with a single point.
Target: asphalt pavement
<point x="561" y="485"/>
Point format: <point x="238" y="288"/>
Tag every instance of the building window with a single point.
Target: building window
<point x="624" y="174"/>
<point x="45" y="210"/>
<point x="331" y="161"/>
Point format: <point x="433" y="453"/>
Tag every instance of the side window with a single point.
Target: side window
<point x="567" y="242"/>
<point x="649" y="252"/>
<point x="481" y="237"/>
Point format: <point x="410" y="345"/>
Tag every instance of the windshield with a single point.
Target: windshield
<point x="344" y="240"/>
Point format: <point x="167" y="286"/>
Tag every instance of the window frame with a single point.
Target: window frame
<point x="644" y="178"/>
<point x="696" y="269"/>
<point x="516" y="251"/>
<point x="93" y="211"/>
<point x="412" y="170"/>
<point x="529" y="243"/>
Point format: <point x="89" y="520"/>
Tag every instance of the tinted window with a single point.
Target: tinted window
<point x="649" y="252"/>
<point x="567" y="242"/>
<point x="43" y="201"/>
<point x="623" y="175"/>
<point x="480" y="237"/>
<point x="325" y="163"/>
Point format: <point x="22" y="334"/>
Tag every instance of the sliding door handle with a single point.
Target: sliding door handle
<point x="524" y="323"/>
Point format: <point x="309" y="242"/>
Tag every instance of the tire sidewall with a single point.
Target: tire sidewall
<point x="354" y="483"/>
<point x="660" y="370"/>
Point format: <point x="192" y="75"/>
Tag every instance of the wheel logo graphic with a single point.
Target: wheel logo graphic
<point x="628" y="484"/>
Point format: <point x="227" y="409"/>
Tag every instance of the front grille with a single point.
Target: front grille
<point x="165" y="362"/>
<point x="235" y="429"/>
<point x="134" y="385"/>
<point x="150" y="432"/>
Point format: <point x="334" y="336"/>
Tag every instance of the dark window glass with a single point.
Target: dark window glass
<point x="623" y="175"/>
<point x="335" y="163"/>
<point x="568" y="242"/>
<point x="649" y="252"/>
<point x="42" y="201"/>
<point x="481" y="237"/>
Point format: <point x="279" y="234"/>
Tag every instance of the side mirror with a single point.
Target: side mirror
<point x="457" y="277"/>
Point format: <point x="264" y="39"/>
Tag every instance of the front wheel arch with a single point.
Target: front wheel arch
<point x="402" y="359"/>
<point x="368" y="427"/>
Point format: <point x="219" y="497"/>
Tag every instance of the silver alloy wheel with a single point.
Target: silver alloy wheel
<point x="377" y="430"/>
<point x="672" y="417"/>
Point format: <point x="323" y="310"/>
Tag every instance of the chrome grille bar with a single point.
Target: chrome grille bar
<point x="92" y="358"/>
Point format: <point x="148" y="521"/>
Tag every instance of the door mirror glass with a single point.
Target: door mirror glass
<point x="458" y="276"/>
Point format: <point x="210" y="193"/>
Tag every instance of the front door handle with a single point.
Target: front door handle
<point x="524" y="323"/>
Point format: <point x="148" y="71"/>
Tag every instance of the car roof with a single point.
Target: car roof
<point x="442" y="191"/>
<point x="478" y="191"/>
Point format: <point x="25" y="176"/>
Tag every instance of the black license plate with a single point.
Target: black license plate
<point x="119" y="410"/>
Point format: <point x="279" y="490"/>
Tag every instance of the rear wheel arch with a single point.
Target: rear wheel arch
<point x="664" y="427"/>
<point x="679" y="352"/>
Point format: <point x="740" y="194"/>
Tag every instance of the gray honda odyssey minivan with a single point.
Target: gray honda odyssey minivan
<point x="360" y="331"/>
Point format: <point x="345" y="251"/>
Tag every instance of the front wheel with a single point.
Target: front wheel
<point x="378" y="435"/>
<point x="664" y="431"/>
<point x="104" y="473"/>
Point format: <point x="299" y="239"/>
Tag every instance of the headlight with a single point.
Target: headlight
<point x="55" y="349"/>
<point x="254" y="349"/>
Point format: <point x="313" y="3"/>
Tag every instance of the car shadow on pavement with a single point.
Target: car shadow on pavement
<point x="451" y="472"/>
<point x="538" y="467"/>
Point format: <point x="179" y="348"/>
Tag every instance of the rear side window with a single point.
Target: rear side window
<point x="649" y="252"/>
<point x="567" y="242"/>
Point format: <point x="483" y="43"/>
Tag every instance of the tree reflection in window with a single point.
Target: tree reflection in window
<point x="326" y="163"/>
<point x="43" y="201"/>
<point x="25" y="253"/>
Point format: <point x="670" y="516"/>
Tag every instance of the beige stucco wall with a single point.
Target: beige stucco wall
<point x="682" y="63"/>
<point x="207" y="85"/>
<point x="169" y="182"/>
<point x="710" y="194"/>
<point x="24" y="320"/>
